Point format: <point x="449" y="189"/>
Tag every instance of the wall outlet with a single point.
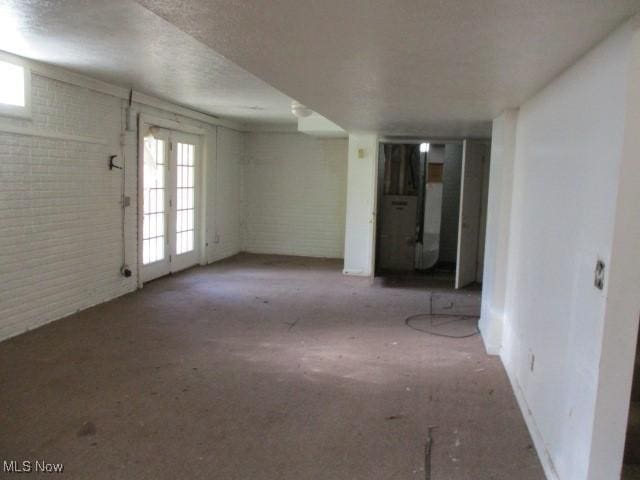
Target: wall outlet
<point x="599" y="275"/>
<point x="216" y="238"/>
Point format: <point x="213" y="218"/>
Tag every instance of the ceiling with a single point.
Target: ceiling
<point x="398" y="67"/>
<point x="438" y="67"/>
<point x="121" y="42"/>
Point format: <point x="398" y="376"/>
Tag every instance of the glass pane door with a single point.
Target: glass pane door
<point x="184" y="165"/>
<point x="153" y="229"/>
<point x="155" y="204"/>
<point x="185" y="198"/>
<point x="169" y="202"/>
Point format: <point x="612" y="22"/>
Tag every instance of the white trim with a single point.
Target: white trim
<point x="150" y="101"/>
<point x="490" y="348"/>
<point x="536" y="436"/>
<point x="154" y="120"/>
<point x="538" y="441"/>
<point x="356" y="273"/>
<point x="140" y="212"/>
<point x="36" y="132"/>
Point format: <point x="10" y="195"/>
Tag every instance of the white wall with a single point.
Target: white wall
<point x="60" y="211"/>
<point x="622" y="308"/>
<point x="224" y="195"/>
<point x="361" y="204"/>
<point x="567" y="171"/>
<point x="60" y="240"/>
<point x="503" y="145"/>
<point x="294" y="193"/>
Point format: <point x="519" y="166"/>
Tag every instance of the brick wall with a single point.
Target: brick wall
<point x="60" y="211"/>
<point x="61" y="237"/>
<point x="294" y="194"/>
<point x="60" y="242"/>
<point x="223" y="196"/>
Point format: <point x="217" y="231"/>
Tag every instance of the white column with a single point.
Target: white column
<point x="360" y="228"/>
<point x="497" y="230"/>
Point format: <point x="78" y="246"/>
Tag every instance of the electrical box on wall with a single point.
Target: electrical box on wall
<point x="599" y="275"/>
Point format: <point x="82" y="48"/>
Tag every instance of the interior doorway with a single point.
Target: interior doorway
<point x="170" y="171"/>
<point x="431" y="210"/>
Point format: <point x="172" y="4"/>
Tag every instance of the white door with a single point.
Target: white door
<point x="169" y="205"/>
<point x="474" y="155"/>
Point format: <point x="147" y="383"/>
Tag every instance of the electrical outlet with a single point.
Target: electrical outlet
<point x="598" y="280"/>
<point x="216" y="238"/>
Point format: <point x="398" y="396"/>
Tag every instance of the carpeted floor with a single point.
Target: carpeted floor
<point x="261" y="368"/>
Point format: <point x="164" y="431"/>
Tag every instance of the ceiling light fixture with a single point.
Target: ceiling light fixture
<point x="299" y="110"/>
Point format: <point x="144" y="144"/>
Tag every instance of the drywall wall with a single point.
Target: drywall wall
<point x="503" y="144"/>
<point x="568" y="156"/>
<point x="450" y="202"/>
<point x="622" y="307"/>
<point x="62" y="237"/>
<point x="294" y="193"/>
<point x="360" y="226"/>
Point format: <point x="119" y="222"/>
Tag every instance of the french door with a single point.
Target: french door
<point x="169" y="226"/>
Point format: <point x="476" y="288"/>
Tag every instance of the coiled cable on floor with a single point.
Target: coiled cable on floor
<point x="431" y="326"/>
<point x="446" y="319"/>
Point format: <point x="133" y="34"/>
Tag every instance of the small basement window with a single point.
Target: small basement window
<point x="15" y="88"/>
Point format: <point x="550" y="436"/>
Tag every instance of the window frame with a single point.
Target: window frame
<point x="7" y="110"/>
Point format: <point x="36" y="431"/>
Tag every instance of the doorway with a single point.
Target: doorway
<point x="431" y="210"/>
<point x="170" y="170"/>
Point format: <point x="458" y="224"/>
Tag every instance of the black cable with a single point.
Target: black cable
<point x="408" y="320"/>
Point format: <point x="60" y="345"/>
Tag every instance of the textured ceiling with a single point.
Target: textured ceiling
<point x="439" y="67"/>
<point x="121" y="42"/>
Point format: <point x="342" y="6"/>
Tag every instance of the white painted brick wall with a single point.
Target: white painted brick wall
<point x="294" y="194"/>
<point x="60" y="215"/>
<point x="60" y="241"/>
<point x="223" y="196"/>
<point x="61" y="235"/>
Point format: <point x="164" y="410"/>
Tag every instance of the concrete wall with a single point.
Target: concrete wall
<point x="360" y="226"/>
<point x="567" y="346"/>
<point x="294" y="194"/>
<point x="61" y="237"/>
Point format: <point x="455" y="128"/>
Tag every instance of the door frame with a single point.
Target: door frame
<point x="379" y="176"/>
<point x="144" y="121"/>
<point x="462" y="279"/>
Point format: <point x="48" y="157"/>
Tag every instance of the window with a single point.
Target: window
<point x="15" y="86"/>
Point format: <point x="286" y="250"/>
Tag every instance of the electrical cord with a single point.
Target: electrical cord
<point x="408" y="322"/>
<point x="451" y="317"/>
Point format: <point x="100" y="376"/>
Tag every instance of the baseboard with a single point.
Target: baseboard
<point x="356" y="273"/>
<point x="19" y="328"/>
<point x="490" y="348"/>
<point x="538" y="441"/>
